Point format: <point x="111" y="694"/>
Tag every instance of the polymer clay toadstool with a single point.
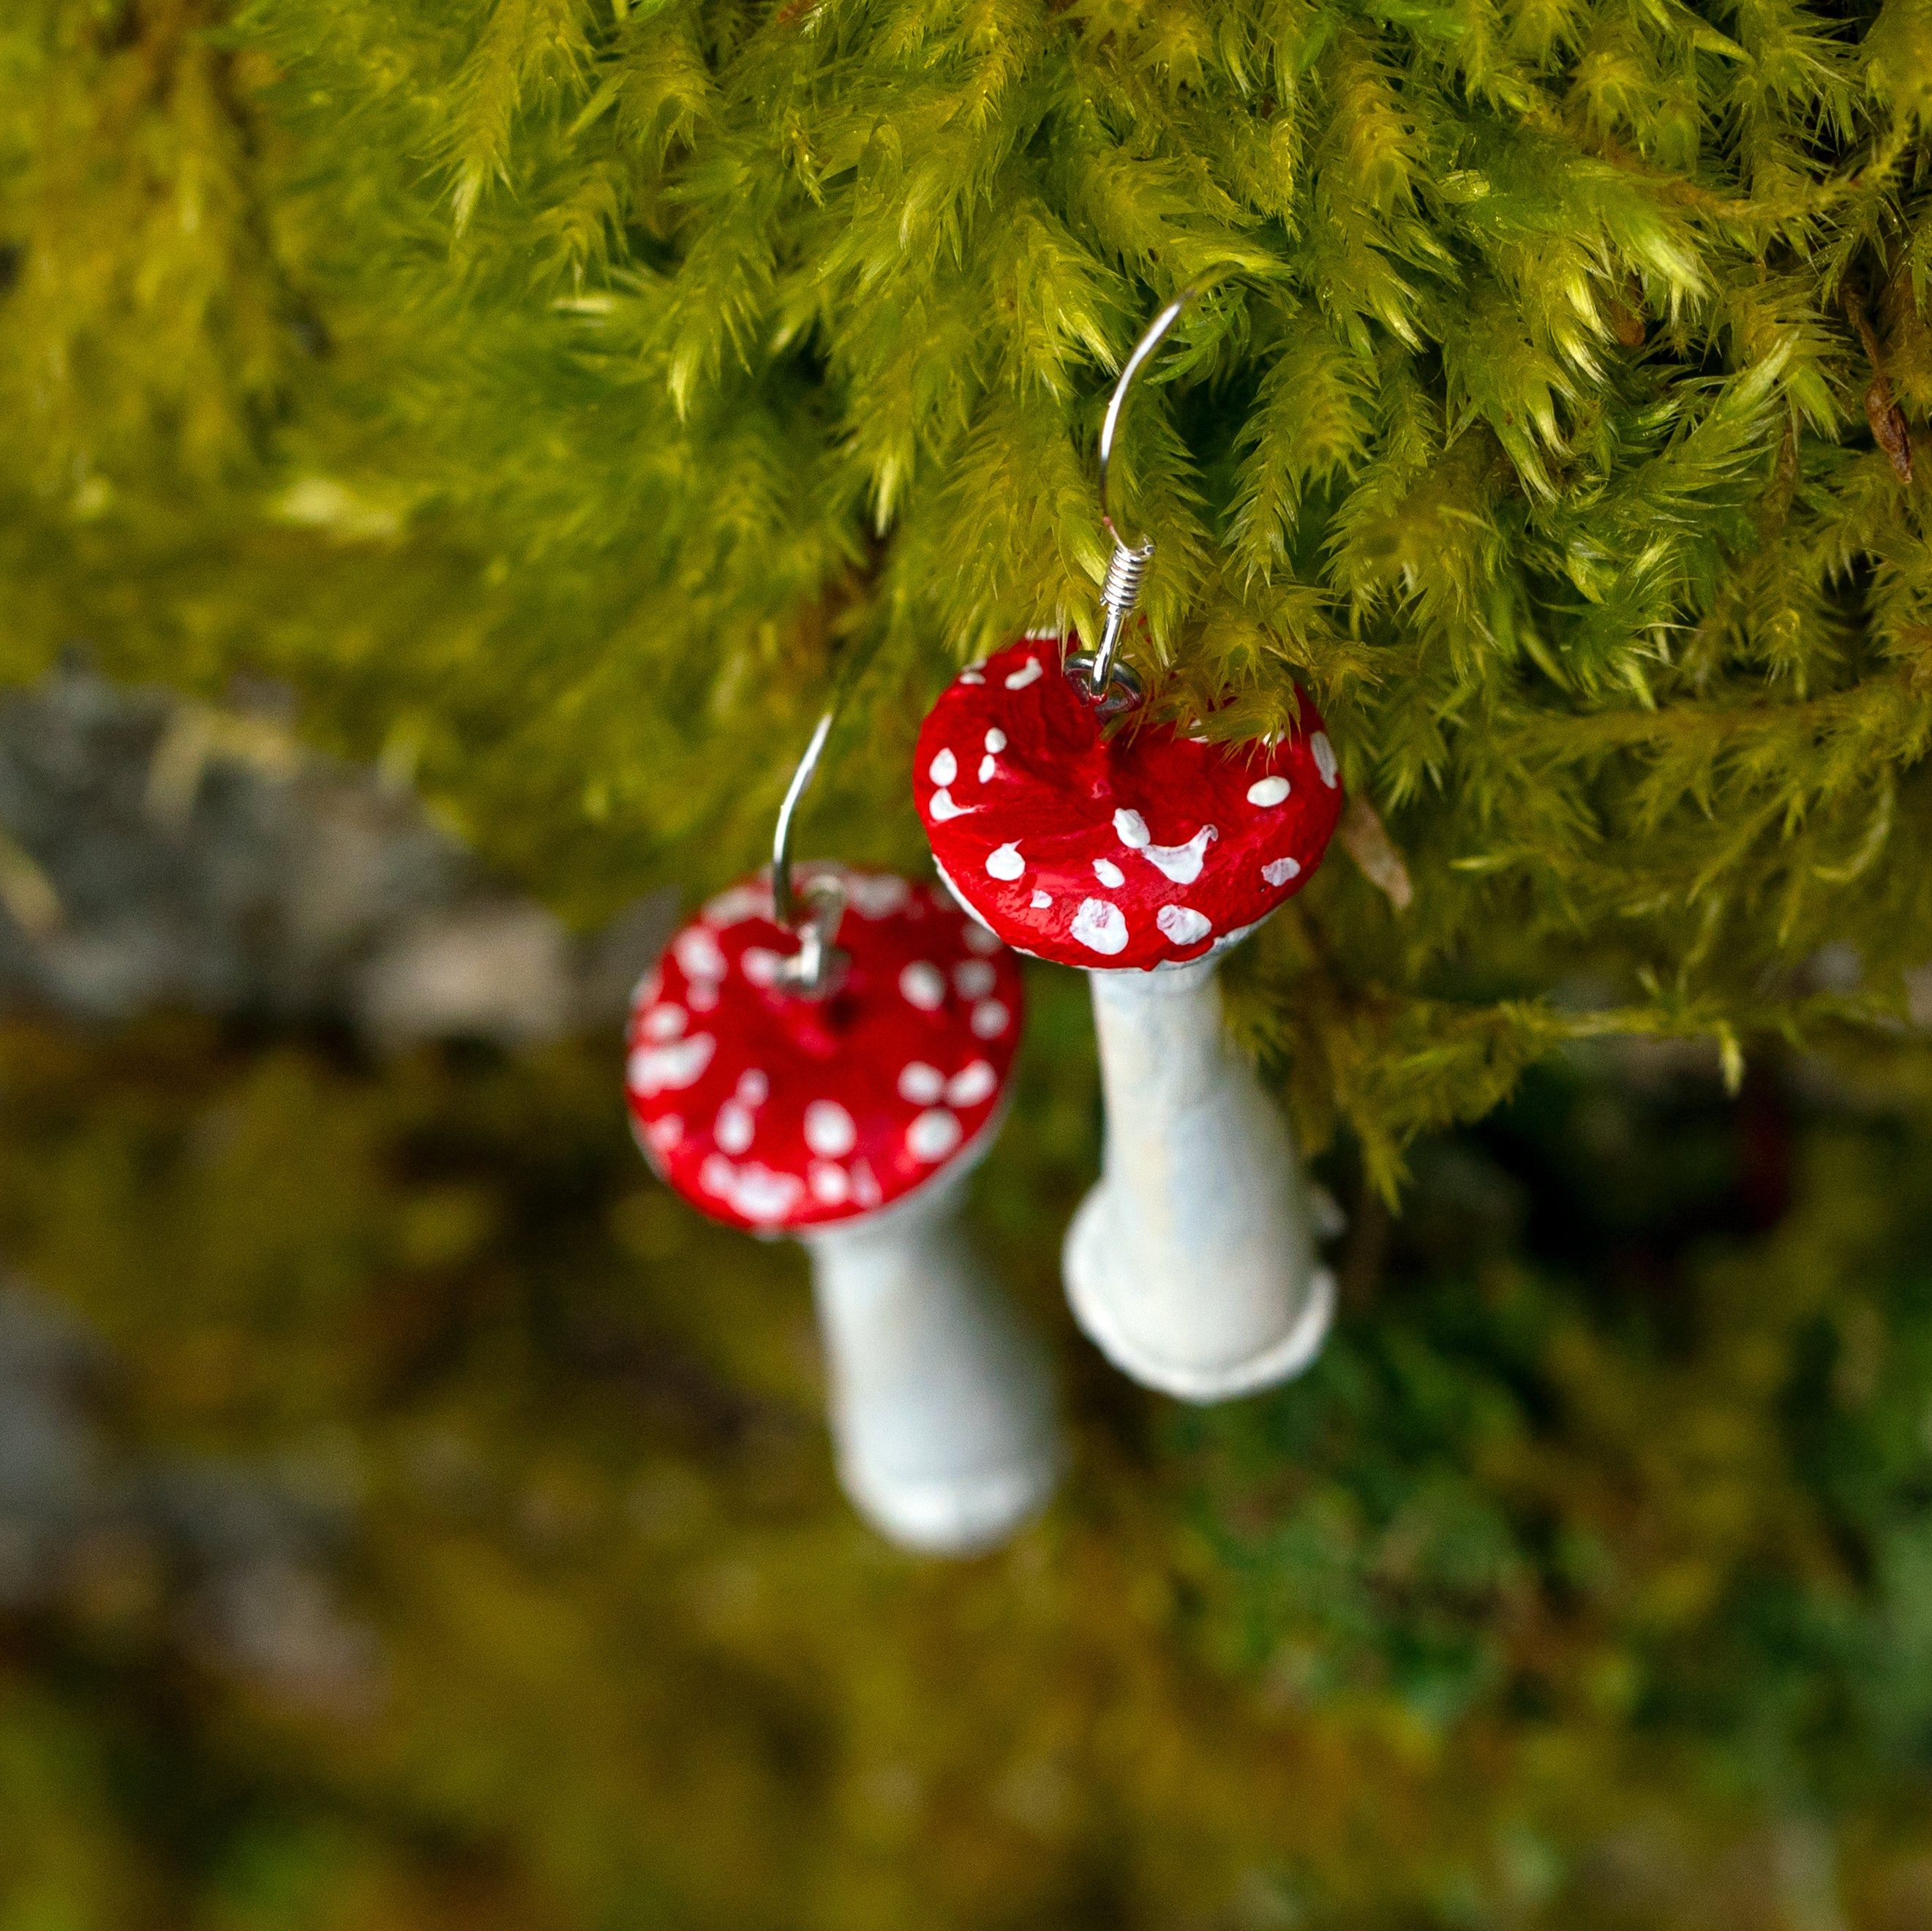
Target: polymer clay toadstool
<point x="1140" y="857"/>
<point x="843" y="1103"/>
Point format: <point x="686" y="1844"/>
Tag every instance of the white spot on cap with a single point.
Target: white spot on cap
<point x="761" y="1195"/>
<point x="974" y="979"/>
<point x="996" y="739"/>
<point x="990" y="1019"/>
<point x="973" y="1082"/>
<point x="1131" y="829"/>
<point x="865" y="1185"/>
<point x="1108" y="873"/>
<point x="943" y="808"/>
<point x="663" y="1022"/>
<point x="733" y="907"/>
<point x="980" y="940"/>
<point x="716" y="1174"/>
<point x="665" y="1133"/>
<point x="829" y="1131"/>
<point x="1266" y="791"/>
<point x="1040" y="901"/>
<point x="1183" y="924"/>
<point x="697" y="952"/>
<point x="1005" y="863"/>
<point x="1100" y="927"/>
<point x="701" y="995"/>
<point x="944" y="769"/>
<point x="876" y="895"/>
<point x="829" y="1186"/>
<point x="1182" y="863"/>
<point x="933" y="1135"/>
<point x="1280" y="870"/>
<point x="670" y="1069"/>
<point x="1032" y="674"/>
<point x="923" y="985"/>
<point x="1325" y="761"/>
<point x="971" y="677"/>
<point x="920" y="1084"/>
<point x="988" y="765"/>
<point x="735" y="1128"/>
<point x="760" y="964"/>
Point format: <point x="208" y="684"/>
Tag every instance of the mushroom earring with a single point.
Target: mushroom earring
<point x="1140" y="857"/>
<point x="832" y="1070"/>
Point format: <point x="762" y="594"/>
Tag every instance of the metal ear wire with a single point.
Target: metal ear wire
<point x="815" y="968"/>
<point x="1120" y="590"/>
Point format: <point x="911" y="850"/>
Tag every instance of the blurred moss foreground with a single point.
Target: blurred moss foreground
<point x="435" y="1529"/>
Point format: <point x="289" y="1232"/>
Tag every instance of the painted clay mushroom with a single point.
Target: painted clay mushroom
<point x="1140" y="857"/>
<point x="849" y="1118"/>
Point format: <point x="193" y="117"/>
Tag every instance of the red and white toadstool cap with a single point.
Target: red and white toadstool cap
<point x="772" y="1112"/>
<point x="1145" y="849"/>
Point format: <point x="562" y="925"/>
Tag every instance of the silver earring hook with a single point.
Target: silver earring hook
<point x="1120" y="589"/>
<point x="815" y="968"/>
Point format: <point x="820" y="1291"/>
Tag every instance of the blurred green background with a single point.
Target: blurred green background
<point x="412" y="1515"/>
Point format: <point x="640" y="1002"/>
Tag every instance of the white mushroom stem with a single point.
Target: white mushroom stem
<point x="943" y="1410"/>
<point x="1191" y="1264"/>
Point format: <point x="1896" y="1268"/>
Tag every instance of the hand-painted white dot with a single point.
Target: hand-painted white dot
<point x="943" y="806"/>
<point x="1266" y="791"/>
<point x="990" y="1018"/>
<point x="697" y="952"/>
<point x="1280" y="870"/>
<point x="1131" y="829"/>
<point x="760" y="964"/>
<point x="670" y="1068"/>
<point x="1005" y="863"/>
<point x="1019" y="679"/>
<point x="944" y="769"/>
<point x="996" y="739"/>
<point x="1109" y="874"/>
<point x="933" y="1135"/>
<point x="1182" y="863"/>
<point x="923" y="984"/>
<point x="1100" y="927"/>
<point x="920" y="1084"/>
<point x="663" y="1022"/>
<point x="973" y="1082"/>
<point x="1183" y="924"/>
<point x="762" y="1196"/>
<point x="973" y="978"/>
<point x="734" y="1128"/>
<point x="734" y="906"/>
<point x="1041" y="901"/>
<point x="829" y="1130"/>
<point x="877" y="894"/>
<point x="1325" y="760"/>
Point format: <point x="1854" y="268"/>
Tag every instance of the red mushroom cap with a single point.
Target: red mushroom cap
<point x="771" y="1111"/>
<point x="1139" y="849"/>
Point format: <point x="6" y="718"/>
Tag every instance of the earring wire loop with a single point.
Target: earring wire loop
<point x="815" y="968"/>
<point x="1121" y="591"/>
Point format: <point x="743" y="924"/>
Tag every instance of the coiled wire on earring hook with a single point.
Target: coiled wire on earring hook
<point x="1114" y="687"/>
